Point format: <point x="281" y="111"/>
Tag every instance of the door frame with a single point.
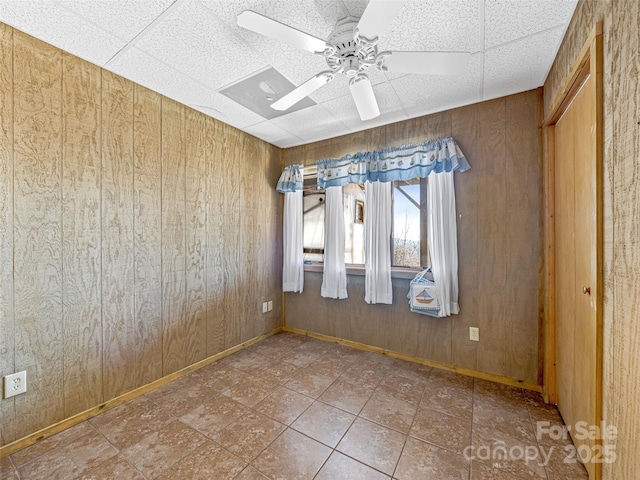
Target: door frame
<point x="589" y="62"/>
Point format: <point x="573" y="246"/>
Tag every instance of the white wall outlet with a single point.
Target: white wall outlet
<point x="265" y="307"/>
<point x="474" y="334"/>
<point x="270" y="305"/>
<point x="15" y="384"/>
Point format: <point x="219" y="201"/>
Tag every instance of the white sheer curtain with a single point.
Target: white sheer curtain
<point x="292" y="261"/>
<point x="377" y="243"/>
<point x="443" y="240"/>
<point x="334" y="278"/>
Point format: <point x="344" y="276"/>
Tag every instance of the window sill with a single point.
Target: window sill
<point x="396" y="272"/>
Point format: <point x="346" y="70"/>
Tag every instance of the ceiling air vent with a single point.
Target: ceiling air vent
<point x="258" y="91"/>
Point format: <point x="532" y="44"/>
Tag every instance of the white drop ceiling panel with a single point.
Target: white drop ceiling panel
<point x="122" y="18"/>
<point x="311" y="123"/>
<point x="438" y="25"/>
<point x="152" y="73"/>
<point x="419" y="93"/>
<point x="508" y="20"/>
<point x="520" y="65"/>
<point x="391" y="109"/>
<point x="234" y="114"/>
<point x="190" y="49"/>
<point x="192" y="40"/>
<point x="267" y="130"/>
<point x="54" y="24"/>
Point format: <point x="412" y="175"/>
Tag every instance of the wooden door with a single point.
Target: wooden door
<point x="576" y="255"/>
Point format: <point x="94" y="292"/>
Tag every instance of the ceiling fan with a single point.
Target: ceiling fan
<point x="352" y="48"/>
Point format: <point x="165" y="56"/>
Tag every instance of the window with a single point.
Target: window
<point x="313" y="221"/>
<point x="408" y="231"/>
<point x="409" y="235"/>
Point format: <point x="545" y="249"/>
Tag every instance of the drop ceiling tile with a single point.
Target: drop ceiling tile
<point x="52" y="23"/>
<point x="122" y="18"/>
<point x="150" y="72"/>
<point x="337" y="88"/>
<point x="521" y="65"/>
<point x="192" y="40"/>
<point x="508" y="20"/>
<point x="356" y="7"/>
<point x="233" y="113"/>
<point x="435" y="25"/>
<point x="316" y="17"/>
<point x="391" y="109"/>
<point x="273" y="134"/>
<point x="311" y="124"/>
<point x="424" y="94"/>
<point x="297" y="66"/>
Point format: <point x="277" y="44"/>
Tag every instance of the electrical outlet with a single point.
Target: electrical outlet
<point x="474" y="334"/>
<point x="15" y="384"/>
<point x="265" y="307"/>
<point x="270" y="305"/>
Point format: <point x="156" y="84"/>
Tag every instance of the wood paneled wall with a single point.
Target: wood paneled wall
<point x="137" y="236"/>
<point x="621" y="383"/>
<point x="498" y="204"/>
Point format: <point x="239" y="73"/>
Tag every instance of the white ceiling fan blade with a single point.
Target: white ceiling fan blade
<point x="274" y="29"/>
<point x="304" y="90"/>
<point x="364" y="98"/>
<point x="377" y="17"/>
<point x="426" y="63"/>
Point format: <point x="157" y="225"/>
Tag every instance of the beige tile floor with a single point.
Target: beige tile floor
<point x="291" y="407"/>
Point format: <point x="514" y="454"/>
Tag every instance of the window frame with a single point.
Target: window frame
<point x="311" y="172"/>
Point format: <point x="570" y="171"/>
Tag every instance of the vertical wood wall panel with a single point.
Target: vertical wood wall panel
<point x="523" y="270"/>
<point x="117" y="235"/>
<point x="196" y="197"/>
<point x="81" y="228"/>
<point x="250" y="295"/>
<point x="274" y="233"/>
<point x="37" y="229"/>
<point x="122" y="212"/>
<point x="215" y="241"/>
<point x="173" y="236"/>
<point x="259" y="180"/>
<point x="147" y="130"/>
<point x="233" y="266"/>
<point x="624" y="341"/>
<point x="622" y="249"/>
<point x="489" y="246"/>
<point x="624" y="345"/>
<point x="492" y="239"/>
<point x="464" y="352"/>
<point x="7" y="325"/>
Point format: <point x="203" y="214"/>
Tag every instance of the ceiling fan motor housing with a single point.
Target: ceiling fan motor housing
<point x="352" y="55"/>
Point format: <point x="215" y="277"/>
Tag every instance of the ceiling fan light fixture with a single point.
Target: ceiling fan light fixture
<point x="363" y="96"/>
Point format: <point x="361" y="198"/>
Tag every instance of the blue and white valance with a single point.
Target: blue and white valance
<point x="290" y="180"/>
<point x="393" y="163"/>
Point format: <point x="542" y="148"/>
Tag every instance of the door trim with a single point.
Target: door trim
<point x="589" y="62"/>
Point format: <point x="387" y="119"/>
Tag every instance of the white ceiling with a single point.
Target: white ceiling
<point x="190" y="49"/>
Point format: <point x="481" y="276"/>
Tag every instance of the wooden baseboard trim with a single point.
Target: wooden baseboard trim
<point x="46" y="432"/>
<point x="442" y="366"/>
